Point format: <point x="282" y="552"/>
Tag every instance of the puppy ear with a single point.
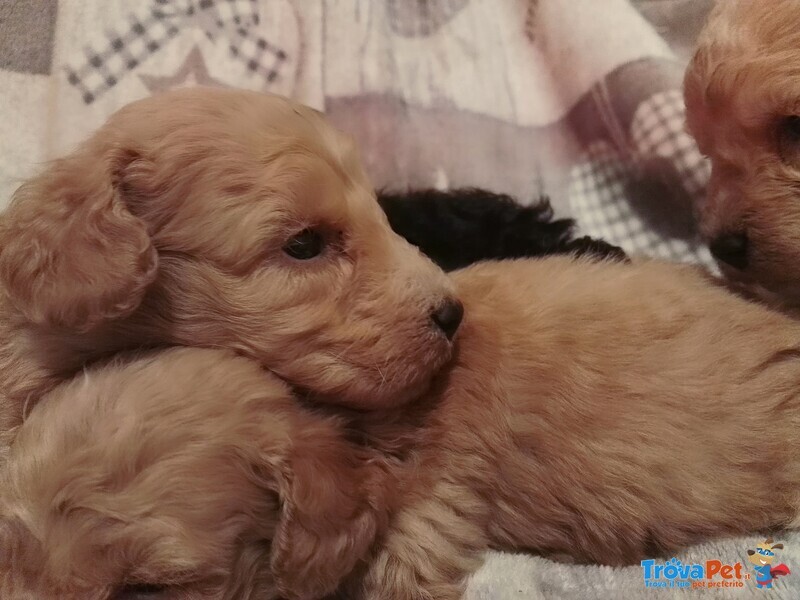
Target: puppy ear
<point x="71" y="254"/>
<point x="335" y="501"/>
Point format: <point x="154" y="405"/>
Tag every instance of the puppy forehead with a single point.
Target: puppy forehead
<point x="254" y="161"/>
<point x="318" y="189"/>
<point x="748" y="62"/>
<point x="206" y="116"/>
<point x="288" y="192"/>
<point x="313" y="176"/>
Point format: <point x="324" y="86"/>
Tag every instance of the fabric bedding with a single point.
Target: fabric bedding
<point x="578" y="100"/>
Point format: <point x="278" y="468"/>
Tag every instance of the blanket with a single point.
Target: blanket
<point x="578" y="100"/>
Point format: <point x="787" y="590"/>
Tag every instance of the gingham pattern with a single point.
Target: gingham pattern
<point x="658" y="130"/>
<point x="599" y="181"/>
<point x="153" y="27"/>
<point x="599" y="201"/>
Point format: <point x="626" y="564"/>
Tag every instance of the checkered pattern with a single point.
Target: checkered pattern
<point x="600" y="202"/>
<point x="658" y="130"/>
<point x="660" y="149"/>
<point x="151" y="29"/>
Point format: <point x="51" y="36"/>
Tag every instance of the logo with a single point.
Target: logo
<point x="710" y="574"/>
<point x="716" y="573"/>
<point x="763" y="557"/>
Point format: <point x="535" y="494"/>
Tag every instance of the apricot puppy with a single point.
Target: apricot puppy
<point x="742" y="91"/>
<point x="217" y="218"/>
<point x="602" y="411"/>
<point x="189" y="474"/>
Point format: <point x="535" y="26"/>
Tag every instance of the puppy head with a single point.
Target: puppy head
<point x="267" y="236"/>
<point x="180" y="477"/>
<point x="742" y="91"/>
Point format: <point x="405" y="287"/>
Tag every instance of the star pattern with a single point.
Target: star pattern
<point x="192" y="72"/>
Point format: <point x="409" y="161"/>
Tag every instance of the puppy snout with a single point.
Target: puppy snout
<point x="447" y="317"/>
<point x="731" y="249"/>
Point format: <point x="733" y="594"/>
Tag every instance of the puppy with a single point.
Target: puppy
<point x="459" y="227"/>
<point x="742" y="91"/>
<point x="600" y="411"/>
<point x="217" y="218"/>
<point x="188" y="474"/>
<point x="604" y="410"/>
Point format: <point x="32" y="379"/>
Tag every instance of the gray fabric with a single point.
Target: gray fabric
<point x="520" y="577"/>
<point x="26" y="35"/>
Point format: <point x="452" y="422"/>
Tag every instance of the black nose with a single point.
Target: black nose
<point x="731" y="248"/>
<point x="448" y="317"/>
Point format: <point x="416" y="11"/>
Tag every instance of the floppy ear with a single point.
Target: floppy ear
<point x="335" y="501"/>
<point x="778" y="546"/>
<point x="71" y="254"/>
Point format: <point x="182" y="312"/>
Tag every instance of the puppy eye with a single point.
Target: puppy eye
<point x="305" y="245"/>
<point x="139" y="591"/>
<point x="789" y="138"/>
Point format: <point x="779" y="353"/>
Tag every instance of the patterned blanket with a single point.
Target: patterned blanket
<point x="575" y="99"/>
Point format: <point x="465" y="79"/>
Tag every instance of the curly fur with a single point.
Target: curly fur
<point x="105" y="259"/>
<point x="457" y="228"/>
<point x="129" y="242"/>
<point x="187" y="474"/>
<point x="598" y="409"/>
<point x="126" y="242"/>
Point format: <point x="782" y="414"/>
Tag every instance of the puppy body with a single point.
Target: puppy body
<point x="601" y="411"/>
<point x="742" y="92"/>
<point x="190" y="473"/>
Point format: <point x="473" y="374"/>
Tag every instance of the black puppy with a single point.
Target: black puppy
<point x="459" y="227"/>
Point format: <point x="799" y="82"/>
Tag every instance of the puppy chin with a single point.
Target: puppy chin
<point x="364" y="398"/>
<point x="366" y="392"/>
<point x="381" y="398"/>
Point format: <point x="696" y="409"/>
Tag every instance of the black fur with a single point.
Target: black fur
<point x="459" y="227"/>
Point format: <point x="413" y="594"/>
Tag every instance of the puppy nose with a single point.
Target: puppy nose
<point x="448" y="317"/>
<point x="731" y="248"/>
